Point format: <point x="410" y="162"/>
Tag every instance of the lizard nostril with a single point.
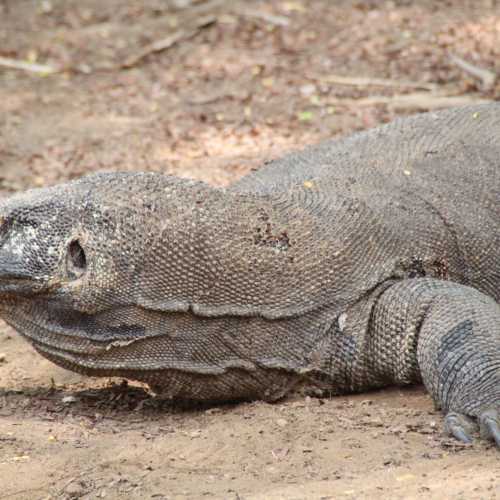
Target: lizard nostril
<point x="4" y="226"/>
<point x="77" y="261"/>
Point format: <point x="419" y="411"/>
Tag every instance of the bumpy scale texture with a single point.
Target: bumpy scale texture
<point x="358" y="263"/>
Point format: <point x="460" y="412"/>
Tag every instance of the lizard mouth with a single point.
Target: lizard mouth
<point x="14" y="285"/>
<point x="76" y="351"/>
<point x="85" y="345"/>
<point x="74" y="333"/>
<point x="127" y="358"/>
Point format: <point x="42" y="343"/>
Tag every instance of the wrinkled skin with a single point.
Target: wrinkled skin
<point x="356" y="264"/>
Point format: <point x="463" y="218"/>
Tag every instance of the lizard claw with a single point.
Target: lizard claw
<point x="489" y="425"/>
<point x="459" y="426"/>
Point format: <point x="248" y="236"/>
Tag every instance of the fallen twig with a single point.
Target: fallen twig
<point x="360" y="81"/>
<point x="487" y="77"/>
<point x="170" y="41"/>
<point x="28" y="66"/>
<point x="264" y="16"/>
<point x="417" y="100"/>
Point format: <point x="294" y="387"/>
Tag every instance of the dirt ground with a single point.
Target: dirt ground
<point x="211" y="89"/>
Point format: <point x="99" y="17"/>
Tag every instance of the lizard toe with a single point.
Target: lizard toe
<point x="459" y="426"/>
<point x="489" y="425"/>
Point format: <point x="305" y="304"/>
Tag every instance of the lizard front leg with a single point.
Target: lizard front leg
<point x="448" y="335"/>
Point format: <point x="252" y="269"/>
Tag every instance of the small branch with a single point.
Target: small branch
<point x="168" y="42"/>
<point x="374" y="82"/>
<point x="27" y="66"/>
<point x="488" y="78"/>
<point x="417" y="100"/>
<point x="264" y="16"/>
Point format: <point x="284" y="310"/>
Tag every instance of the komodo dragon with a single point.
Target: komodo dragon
<point x="355" y="264"/>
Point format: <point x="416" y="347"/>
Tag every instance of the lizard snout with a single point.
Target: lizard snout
<point x="15" y="276"/>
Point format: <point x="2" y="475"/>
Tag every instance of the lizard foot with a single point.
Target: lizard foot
<point x="461" y="426"/>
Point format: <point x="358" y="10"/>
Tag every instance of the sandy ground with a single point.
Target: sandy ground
<point x="236" y="83"/>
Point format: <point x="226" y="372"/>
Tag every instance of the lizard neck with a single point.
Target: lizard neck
<point x="273" y="256"/>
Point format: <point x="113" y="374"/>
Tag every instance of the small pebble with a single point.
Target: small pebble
<point x="75" y="489"/>
<point x="308" y="89"/>
<point x="281" y="422"/>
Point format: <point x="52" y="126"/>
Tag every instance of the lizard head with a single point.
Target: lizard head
<point x="70" y="257"/>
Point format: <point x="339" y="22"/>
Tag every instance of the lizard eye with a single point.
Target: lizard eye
<point x="76" y="259"/>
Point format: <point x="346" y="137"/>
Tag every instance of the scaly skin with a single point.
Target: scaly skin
<point x="359" y="263"/>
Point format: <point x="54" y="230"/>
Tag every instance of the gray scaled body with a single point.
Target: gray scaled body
<point x="359" y="263"/>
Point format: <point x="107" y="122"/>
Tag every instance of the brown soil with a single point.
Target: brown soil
<point x="243" y="89"/>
